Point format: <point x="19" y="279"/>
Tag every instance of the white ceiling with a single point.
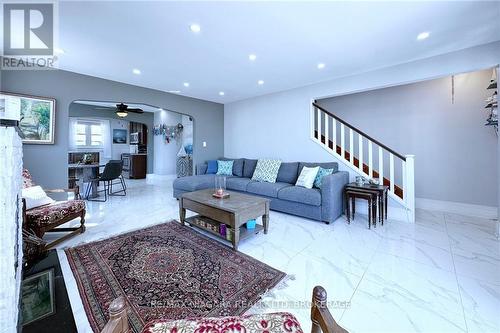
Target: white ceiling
<point x="109" y="39"/>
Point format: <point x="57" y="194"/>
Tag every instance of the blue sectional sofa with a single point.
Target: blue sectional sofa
<point x="325" y="204"/>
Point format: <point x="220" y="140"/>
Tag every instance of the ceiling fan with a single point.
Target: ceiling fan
<point x="122" y="110"/>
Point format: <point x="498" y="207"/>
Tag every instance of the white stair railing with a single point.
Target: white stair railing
<point x="401" y="185"/>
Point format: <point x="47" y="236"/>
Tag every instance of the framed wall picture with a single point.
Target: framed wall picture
<point x="120" y="136"/>
<point x="36" y="114"/>
<point x="37" y="296"/>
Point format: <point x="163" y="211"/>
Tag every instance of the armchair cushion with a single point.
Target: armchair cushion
<point x="35" y="197"/>
<point x="269" y="322"/>
<point x="49" y="214"/>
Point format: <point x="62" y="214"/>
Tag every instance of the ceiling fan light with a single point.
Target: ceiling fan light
<point x="121" y="114"/>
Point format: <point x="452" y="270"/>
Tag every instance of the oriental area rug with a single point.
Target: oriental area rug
<point x="167" y="271"/>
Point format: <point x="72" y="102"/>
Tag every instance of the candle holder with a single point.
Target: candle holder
<point x="220" y="187"/>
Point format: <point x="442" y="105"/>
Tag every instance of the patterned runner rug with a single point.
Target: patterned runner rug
<point x="167" y="271"/>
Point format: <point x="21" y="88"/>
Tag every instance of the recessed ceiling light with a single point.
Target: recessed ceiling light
<point x="136" y="71"/>
<point x="59" y="51"/>
<point x="174" y="91"/>
<point x="221" y="93"/>
<point x="260" y="82"/>
<point x="321" y="65"/>
<point x="195" y="28"/>
<point x="423" y="35"/>
<point x="186" y="84"/>
<point x="252" y="57"/>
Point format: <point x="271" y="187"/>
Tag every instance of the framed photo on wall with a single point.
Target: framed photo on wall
<point x="120" y="136"/>
<point x="37" y="116"/>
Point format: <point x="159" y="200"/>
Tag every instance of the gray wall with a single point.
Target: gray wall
<point x="147" y="118"/>
<point x="455" y="152"/>
<point x="48" y="163"/>
<point x="278" y="124"/>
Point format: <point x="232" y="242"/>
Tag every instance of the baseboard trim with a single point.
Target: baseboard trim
<point x="487" y="212"/>
<point x="153" y="176"/>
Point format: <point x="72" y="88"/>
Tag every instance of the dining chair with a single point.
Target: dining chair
<point x="112" y="171"/>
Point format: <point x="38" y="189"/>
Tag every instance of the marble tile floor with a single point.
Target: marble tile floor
<point x="441" y="274"/>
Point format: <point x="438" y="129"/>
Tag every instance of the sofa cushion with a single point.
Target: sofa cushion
<point x="288" y="172"/>
<point x="237" y="165"/>
<point x="310" y="196"/>
<point x="266" y="189"/>
<point x="325" y="165"/>
<point x="225" y="168"/>
<point x="194" y="183"/>
<point x="237" y="183"/>
<point x="249" y="168"/>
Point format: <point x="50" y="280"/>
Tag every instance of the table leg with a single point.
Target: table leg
<point x="380" y="204"/>
<point x="182" y="212"/>
<point x="265" y="219"/>
<point x="370" y="204"/>
<point x="236" y="235"/>
<point x="347" y="209"/>
<point x="386" y="195"/>
<point x="353" y="207"/>
<point x="374" y="211"/>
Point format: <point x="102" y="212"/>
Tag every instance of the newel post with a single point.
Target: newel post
<point x="410" y="186"/>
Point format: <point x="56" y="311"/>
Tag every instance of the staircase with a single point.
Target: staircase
<point x="356" y="150"/>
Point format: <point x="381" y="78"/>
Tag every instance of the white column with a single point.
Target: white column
<point x="11" y="155"/>
<point x="409" y="188"/>
<point x="498" y="171"/>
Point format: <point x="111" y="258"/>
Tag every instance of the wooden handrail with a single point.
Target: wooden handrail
<point x="360" y="132"/>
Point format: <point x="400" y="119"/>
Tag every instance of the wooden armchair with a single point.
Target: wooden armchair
<point x="322" y="320"/>
<point x="47" y="217"/>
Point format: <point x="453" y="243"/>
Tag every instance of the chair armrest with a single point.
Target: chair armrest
<point x="332" y="195"/>
<point x="322" y="319"/>
<point x="201" y="168"/>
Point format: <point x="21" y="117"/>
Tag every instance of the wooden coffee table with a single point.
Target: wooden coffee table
<point x="234" y="212"/>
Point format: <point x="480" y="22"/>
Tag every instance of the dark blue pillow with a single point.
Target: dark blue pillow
<point x="212" y="167"/>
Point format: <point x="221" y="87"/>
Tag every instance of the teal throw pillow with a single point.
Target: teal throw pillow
<point x="321" y="173"/>
<point x="225" y="168"/>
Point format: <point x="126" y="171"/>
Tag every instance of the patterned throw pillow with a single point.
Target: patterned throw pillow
<point x="225" y="168"/>
<point x="307" y="176"/>
<point x="266" y="171"/>
<point x="321" y="173"/>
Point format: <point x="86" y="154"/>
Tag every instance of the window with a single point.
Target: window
<point x="88" y="134"/>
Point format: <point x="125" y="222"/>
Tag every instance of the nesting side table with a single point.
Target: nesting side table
<point x="378" y="203"/>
